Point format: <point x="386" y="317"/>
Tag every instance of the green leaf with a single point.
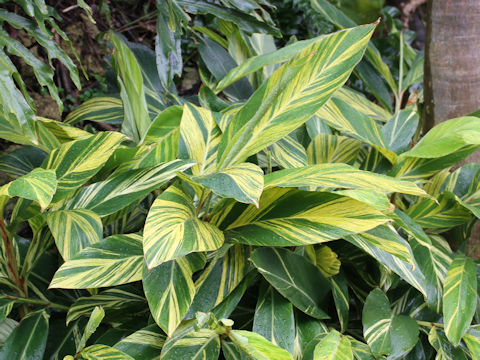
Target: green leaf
<point x="459" y="298"/>
<point x="399" y="130"/>
<point x="118" y="191"/>
<point x="376" y="319"/>
<point x="472" y="340"/>
<point x="445" y="350"/>
<point x="326" y="148"/>
<point x="103" y="352"/>
<point x="165" y="126"/>
<point x="292" y="217"/>
<point x="169" y="290"/>
<point x="38" y="185"/>
<point x="447" y="137"/>
<point x="339" y="286"/>
<point x="143" y="344"/>
<point x="129" y="77"/>
<point x="74" y="230"/>
<point x="201" y="344"/>
<point x="28" y="340"/>
<point x="243" y="182"/>
<point x="257" y="347"/>
<point x="404" y="336"/>
<point x="77" y="161"/>
<point x="172" y="229"/>
<point x="106" y="109"/>
<point x="339" y="176"/>
<point x="199" y="138"/>
<point x="115" y="260"/>
<point x="334" y="346"/>
<point x="93" y="322"/>
<point x="225" y="273"/>
<point x="294" y="277"/>
<point x="292" y="94"/>
<point x="274" y="319"/>
<point x="21" y="161"/>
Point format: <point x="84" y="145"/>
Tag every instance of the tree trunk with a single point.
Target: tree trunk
<point x="452" y="67"/>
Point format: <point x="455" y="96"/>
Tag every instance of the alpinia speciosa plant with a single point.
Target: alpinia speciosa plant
<point x="277" y="215"/>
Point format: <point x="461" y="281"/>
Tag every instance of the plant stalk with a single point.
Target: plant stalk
<point x="398" y="100"/>
<point x="37" y="302"/>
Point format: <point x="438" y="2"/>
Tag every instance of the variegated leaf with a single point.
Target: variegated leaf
<point x="445" y="350"/>
<point x="257" y="347"/>
<point x="326" y="148"/>
<point x="472" y="340"/>
<point x="120" y="190"/>
<point x="243" y="182"/>
<point x="459" y="298"/>
<point x="38" y="185"/>
<point x="339" y="176"/>
<point x="113" y="261"/>
<point x="334" y="346"/>
<point x="199" y="138"/>
<point x="292" y="94"/>
<point x="74" y="230"/>
<point x="172" y="229"/>
<point x="143" y="344"/>
<point x="77" y="161"/>
<point x="201" y="344"/>
<point x="288" y="153"/>
<point x="376" y="319"/>
<point x="103" y="352"/>
<point x="169" y="290"/>
<point x="100" y="108"/>
<point x="289" y="217"/>
<point x="399" y="130"/>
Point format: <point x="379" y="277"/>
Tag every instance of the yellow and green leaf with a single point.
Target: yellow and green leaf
<point x="334" y="346"/>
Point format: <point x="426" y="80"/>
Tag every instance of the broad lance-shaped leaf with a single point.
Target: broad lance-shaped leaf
<point x="29" y="339"/>
<point x="77" y="161"/>
<point x="334" y="346"/>
<point x="339" y="176"/>
<point x="113" y="261"/>
<point x="38" y="185"/>
<point x="94" y="321"/>
<point x="74" y="230"/>
<point x="445" y="350"/>
<point x="199" y="138"/>
<point x="103" y="352"/>
<point x="172" y="229"/>
<point x="243" y="182"/>
<point x="376" y="319"/>
<point x="274" y="318"/>
<point x="106" y="109"/>
<point x="326" y="148"/>
<point x="288" y="217"/>
<point x="472" y="340"/>
<point x="201" y="344"/>
<point x="120" y="190"/>
<point x="143" y="344"/>
<point x="459" y="298"/>
<point x="169" y="290"/>
<point x="447" y="138"/>
<point x="294" y="277"/>
<point x="288" y="153"/>
<point x="21" y="161"/>
<point x="399" y="130"/>
<point x="257" y="347"/>
<point x="292" y="94"/>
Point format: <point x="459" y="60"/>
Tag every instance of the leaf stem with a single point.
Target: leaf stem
<point x="398" y="100"/>
<point x="37" y="302"/>
<point x="12" y="266"/>
<point x="429" y="324"/>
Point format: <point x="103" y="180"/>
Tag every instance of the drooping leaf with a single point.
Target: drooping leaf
<point x="459" y="298"/>
<point x="172" y="229"/>
<point x="38" y="185"/>
<point x="243" y="182"/>
<point x="74" y="230"/>
<point x="21" y="161"/>
<point x="292" y="94"/>
<point x="103" y="352"/>
<point x="169" y="290"/>
<point x="339" y="286"/>
<point x="77" y="161"/>
<point x="334" y="346"/>
<point x="293" y="217"/>
<point x="445" y="350"/>
<point x="274" y="319"/>
<point x="28" y="339"/>
<point x="120" y="190"/>
<point x="257" y="346"/>
<point x="327" y="148"/>
<point x="115" y="260"/>
<point x="201" y="344"/>
<point x="93" y="322"/>
<point x="294" y="277"/>
<point x="106" y="109"/>
<point x="143" y="344"/>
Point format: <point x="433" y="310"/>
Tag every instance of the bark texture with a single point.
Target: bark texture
<point x="452" y="67"/>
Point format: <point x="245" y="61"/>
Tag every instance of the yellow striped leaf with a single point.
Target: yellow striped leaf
<point x="118" y="191"/>
<point x="100" y="108"/>
<point x="292" y="94"/>
<point x="199" y="138"/>
<point x="376" y="319"/>
<point x="113" y="261"/>
<point x="257" y="347"/>
<point x="459" y="298"/>
<point x="292" y="217"/>
<point x="165" y="125"/>
<point x="339" y="176"/>
<point x="169" y="290"/>
<point x="334" y="346"/>
<point x="360" y="103"/>
<point x="38" y="185"/>
<point x="202" y="344"/>
<point x="243" y="182"/>
<point x="62" y="132"/>
<point x="172" y="229"/>
<point x="103" y="352"/>
<point x="77" y="161"/>
<point x="472" y="340"/>
<point x="143" y="344"/>
<point x="326" y="148"/>
<point x="74" y="230"/>
<point x="288" y="153"/>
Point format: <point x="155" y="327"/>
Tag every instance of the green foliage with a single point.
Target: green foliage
<point x="197" y="227"/>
